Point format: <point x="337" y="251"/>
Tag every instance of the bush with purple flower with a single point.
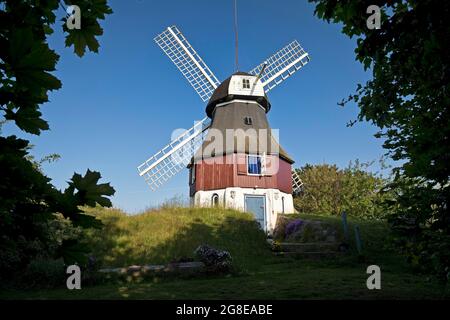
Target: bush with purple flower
<point x="292" y="227"/>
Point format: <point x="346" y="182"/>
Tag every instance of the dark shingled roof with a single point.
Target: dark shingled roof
<point x="231" y="116"/>
<point x="221" y="95"/>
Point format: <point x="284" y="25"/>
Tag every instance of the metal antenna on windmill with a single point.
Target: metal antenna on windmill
<point x="236" y="38"/>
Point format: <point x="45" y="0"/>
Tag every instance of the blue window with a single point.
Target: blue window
<point x="254" y="164"/>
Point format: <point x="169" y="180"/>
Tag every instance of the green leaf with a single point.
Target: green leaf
<point x="86" y="221"/>
<point x="91" y="12"/>
<point x="20" y="43"/>
<point x="89" y="192"/>
<point x="29" y="60"/>
<point x="84" y="37"/>
<point x="78" y="41"/>
<point x="73" y="252"/>
<point x="28" y="119"/>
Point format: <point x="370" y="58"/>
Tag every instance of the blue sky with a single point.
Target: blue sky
<point x="118" y="107"/>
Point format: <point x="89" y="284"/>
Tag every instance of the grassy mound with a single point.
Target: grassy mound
<point x="173" y="233"/>
<point x="170" y="233"/>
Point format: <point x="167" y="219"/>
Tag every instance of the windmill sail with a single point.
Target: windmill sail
<point x="187" y="60"/>
<point x="281" y="65"/>
<point x="174" y="157"/>
<point x="297" y="183"/>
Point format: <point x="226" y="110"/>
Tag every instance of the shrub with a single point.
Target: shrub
<point x="27" y="196"/>
<point x="330" y="190"/>
<point x="216" y="261"/>
<point x="292" y="227"/>
<point x="44" y="272"/>
<point x="420" y="220"/>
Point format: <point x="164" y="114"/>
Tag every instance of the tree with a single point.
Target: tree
<point x="408" y="98"/>
<point x="27" y="198"/>
<point x="330" y="190"/>
<point x="322" y="189"/>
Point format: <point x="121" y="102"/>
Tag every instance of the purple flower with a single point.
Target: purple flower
<point x="292" y="227"/>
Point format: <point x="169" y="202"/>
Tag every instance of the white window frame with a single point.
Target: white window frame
<point x="246" y="84"/>
<point x="262" y="161"/>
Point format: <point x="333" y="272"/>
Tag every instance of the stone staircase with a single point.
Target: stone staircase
<point x="308" y="250"/>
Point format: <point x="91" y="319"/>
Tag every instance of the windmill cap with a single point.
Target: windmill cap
<point x="232" y="88"/>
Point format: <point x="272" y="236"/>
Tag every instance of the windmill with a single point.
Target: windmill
<point x="230" y="172"/>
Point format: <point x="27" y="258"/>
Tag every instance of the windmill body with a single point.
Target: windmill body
<point x="240" y="164"/>
<point x="233" y="156"/>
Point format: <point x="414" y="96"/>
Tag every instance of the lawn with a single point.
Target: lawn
<point x="171" y="233"/>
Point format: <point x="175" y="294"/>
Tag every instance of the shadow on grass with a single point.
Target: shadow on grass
<point x="241" y="237"/>
<point x="117" y="246"/>
<point x="107" y="243"/>
<point x="132" y="243"/>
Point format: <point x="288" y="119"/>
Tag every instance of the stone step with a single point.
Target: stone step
<point x="308" y="255"/>
<point x="308" y="247"/>
<point x="183" y="267"/>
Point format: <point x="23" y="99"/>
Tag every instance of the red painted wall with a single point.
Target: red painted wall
<point x="284" y="176"/>
<point x="226" y="171"/>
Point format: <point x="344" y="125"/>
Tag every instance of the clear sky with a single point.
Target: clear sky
<point x="120" y="106"/>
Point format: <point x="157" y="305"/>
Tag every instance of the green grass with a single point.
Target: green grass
<point x="172" y="233"/>
<point x="161" y="236"/>
<point x="374" y="236"/>
<point x="289" y="280"/>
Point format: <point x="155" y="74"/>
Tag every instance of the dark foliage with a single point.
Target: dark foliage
<point x="408" y="99"/>
<point x="29" y="203"/>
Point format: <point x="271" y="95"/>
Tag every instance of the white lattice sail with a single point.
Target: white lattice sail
<point x="174" y="157"/>
<point x="281" y="65"/>
<point x="297" y="183"/>
<point x="187" y="60"/>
